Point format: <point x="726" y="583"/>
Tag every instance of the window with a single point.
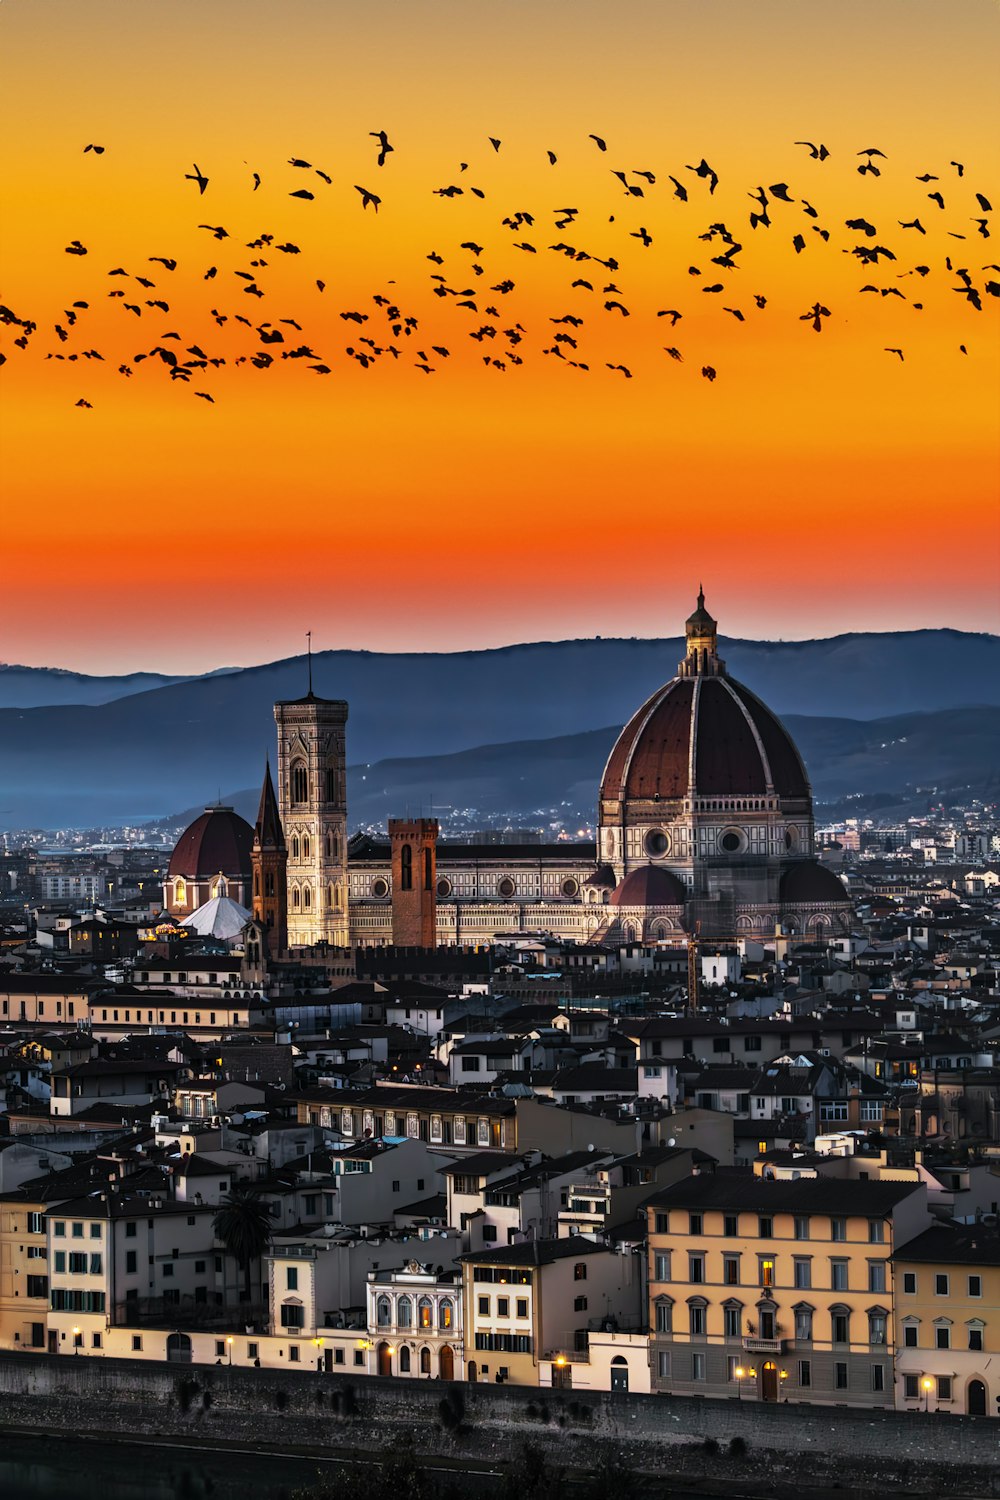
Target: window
<point x="696" y="1319"/>
<point x="751" y="1044"/>
<point x="38" y="1286"/>
<point x="942" y="1336"/>
<point x="941" y="1285"/>
<point x="732" y="1365"/>
<point x="975" y="1337"/>
<point x="909" y="1335"/>
<point x="840" y="1326"/>
<point x="803" y="1325"/>
<point x="404" y="1312"/>
<point x="95" y="1231"/>
<point x="220" y="1348"/>
<point x="876" y="1275"/>
<point x="580" y="1271"/>
<point x="292" y="1315"/>
<point x="661" y="1266"/>
<point x="803" y="1273"/>
<point x="766" y="1271"/>
<point x="425" y="1311"/>
<point x="661" y="1223"/>
<point x="909" y="1282"/>
<point x="59" y="1229"/>
<point x="59" y="1259"/>
<point x="731" y="1270"/>
<point x="359" y="1356"/>
<point x="663" y="1364"/>
<point x="878" y="1377"/>
<point x="765" y="1227"/>
<point x="975" y="1286"/>
<point x="840" y="1376"/>
<point x="383" y="1312"/>
<point x="338" y="1357"/>
<point x="698" y="1363"/>
<point x="838" y="1229"/>
<point x="404" y="1359"/>
<point x="292" y="1278"/>
<point x="95" y="1265"/>
<point x="805" y="1373"/>
<point x="694" y="1224"/>
<point x="838" y="1275"/>
<point x="876" y="1232"/>
<point x="944" y="1388"/>
<point x="136" y="1343"/>
<point x="78" y="1231"/>
<point x="522" y="1307"/>
<point x="580" y="1304"/>
<point x="802" y="1227"/>
<point x="731" y="1322"/>
<point x="299" y="781"/>
<point x="696" y="1269"/>
<point x="484" y="1307"/>
<point x="77" y="1264"/>
<point x="293" y="1354"/>
<point x="406" y="868"/>
<point x="731" y="1225"/>
<point x="503" y="1306"/>
<point x="911" y="1387"/>
<point x="664" y="1317"/>
<point x="168" y="1270"/>
<point x="876" y="1327"/>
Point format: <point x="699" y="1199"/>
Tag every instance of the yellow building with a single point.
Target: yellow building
<point x="763" y="1290"/>
<point x="947" y="1312"/>
<point x="24" y="1272"/>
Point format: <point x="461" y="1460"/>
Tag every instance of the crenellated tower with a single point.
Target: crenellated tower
<point x="312" y="799"/>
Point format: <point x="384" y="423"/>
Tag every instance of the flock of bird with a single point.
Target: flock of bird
<point x="386" y="330"/>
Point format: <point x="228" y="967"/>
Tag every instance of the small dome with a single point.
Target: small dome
<point x="810" y="882"/>
<point x="218" y="842"/>
<point x="603" y="878"/>
<point x="649" y="886"/>
<point x="219" y="918"/>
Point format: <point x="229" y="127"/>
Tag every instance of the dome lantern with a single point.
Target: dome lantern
<point x="702" y="659"/>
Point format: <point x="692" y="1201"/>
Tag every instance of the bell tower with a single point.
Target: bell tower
<point x="269" y="865"/>
<point x="312" y="799"/>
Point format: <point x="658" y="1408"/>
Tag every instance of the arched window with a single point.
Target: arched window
<point x="406" y="868"/>
<point x="180" y="893"/>
<point x="299" y="781"/>
<point x="256" y="882"/>
<point x="295" y="895"/>
<point x="404" y="1312"/>
<point x="425" y="1361"/>
<point x="428" y="868"/>
<point x="329" y="895"/>
<point x="329" y="845"/>
<point x="331" y="783"/>
<point x="306" y="896"/>
<point x="446" y="1313"/>
<point x="383" y="1312"/>
<point x="424" y="1312"/>
<point x="404" y="1359"/>
<point x="295" y="846"/>
<point x="305" y="847"/>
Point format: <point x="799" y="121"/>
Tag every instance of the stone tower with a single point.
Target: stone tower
<point x="414" y="881"/>
<point x="312" y="799"/>
<point x="269" y="861"/>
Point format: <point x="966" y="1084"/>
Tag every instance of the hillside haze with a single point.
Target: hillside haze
<point x="182" y="744"/>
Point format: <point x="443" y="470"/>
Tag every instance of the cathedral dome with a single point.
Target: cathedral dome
<point x="808" y="881"/>
<point x="703" y="735"/>
<point x="217" y="842"/>
<point x="649" y="886"/>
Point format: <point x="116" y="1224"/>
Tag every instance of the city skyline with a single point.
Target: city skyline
<point x="819" y="484"/>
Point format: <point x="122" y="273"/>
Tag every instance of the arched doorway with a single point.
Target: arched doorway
<point x="179" y="1349"/>
<point x="975" y="1398"/>
<point x="385" y="1359"/>
<point x="619" y="1373"/>
<point x="446" y="1363"/>
<point x="472" y="1371"/>
<point x="769" y="1381"/>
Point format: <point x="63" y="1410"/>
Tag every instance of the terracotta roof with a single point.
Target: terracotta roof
<point x="218" y="841"/>
<point x="649" y="886"/>
<point x="808" y="881"/>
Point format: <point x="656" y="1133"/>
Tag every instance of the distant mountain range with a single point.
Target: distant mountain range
<point x="954" y="749"/>
<point x="140" y="755"/>
<point x="42" y="687"/>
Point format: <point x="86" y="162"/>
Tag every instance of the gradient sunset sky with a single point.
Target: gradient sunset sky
<point x="818" y="484"/>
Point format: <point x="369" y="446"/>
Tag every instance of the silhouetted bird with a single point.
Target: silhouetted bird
<point x="197" y="176"/>
<point x="383" y="145"/>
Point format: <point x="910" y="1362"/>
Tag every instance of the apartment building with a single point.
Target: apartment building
<point x="947" y="1315"/>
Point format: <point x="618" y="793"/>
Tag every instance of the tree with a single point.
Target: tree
<point x="243" y="1224"/>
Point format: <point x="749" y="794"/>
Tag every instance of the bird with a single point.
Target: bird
<point x="205" y="396"/>
<point x="383" y="145"/>
<point x="672" y="314"/>
<point x="799" y="244"/>
<point x="642" y="234"/>
<point x="704" y="170"/>
<point x="936" y="198"/>
<point x="624" y="369"/>
<point x="494" y="142"/>
<point x="368" y="197"/>
<point x="599" y="142"/>
<point x="97" y="150"/>
<point x="215" y="229"/>
<point x="870" y="151"/>
<point x="75" y="247"/>
<point x="760" y="301"/>
<point x="960" y="169"/>
<point x="912" y="224"/>
<point x="928" y="177"/>
<point x="708" y="372"/>
<point x="297" y="161"/>
<point x="87" y="404"/>
<point x="818" y="153"/>
<point x="984" y="203"/>
<point x="680" y="191"/>
<point x="736" y="313"/>
<point x="325" y="176"/>
<point x="256" y="181"/>
<point x="896" y="351"/>
<point x="618" y="307"/>
<point x="674" y="354"/>
<point x="779" y="190"/>
<point x="552" y="158"/>
<point x="197" y="176"/>
<point x="165" y="260"/>
<point x="302" y="193"/>
<point x="815" y="315"/>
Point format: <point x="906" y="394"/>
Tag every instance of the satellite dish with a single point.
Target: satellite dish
<point x="590" y="1145"/>
<point x="672" y="1141"/>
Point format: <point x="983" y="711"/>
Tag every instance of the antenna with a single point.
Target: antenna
<point x="309" y="659"/>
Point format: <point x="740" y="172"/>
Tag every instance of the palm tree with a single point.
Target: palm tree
<point x="243" y="1224"/>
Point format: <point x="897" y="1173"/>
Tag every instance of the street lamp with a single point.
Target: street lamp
<point x="739" y="1372"/>
<point x="319" y="1353"/>
<point x="928" y="1386"/>
<point x="229" y="1346"/>
<point x="77" y="1337"/>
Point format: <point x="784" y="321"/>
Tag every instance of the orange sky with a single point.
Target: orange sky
<point x="817" y="485"/>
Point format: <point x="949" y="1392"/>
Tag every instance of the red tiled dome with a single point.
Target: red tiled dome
<point x="808" y="881"/>
<point x="649" y="886"/>
<point x="712" y="727"/>
<point x="220" y="840"/>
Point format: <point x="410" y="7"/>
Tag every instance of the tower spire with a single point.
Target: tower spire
<point x="702" y="659"/>
<point x="309" y="659"/>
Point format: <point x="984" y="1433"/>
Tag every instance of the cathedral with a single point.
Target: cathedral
<point x="705" y="823"/>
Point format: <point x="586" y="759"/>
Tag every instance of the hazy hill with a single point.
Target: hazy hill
<point x="39" y="687"/>
<point x="184" y="743"/>
<point x="953" y="749"/>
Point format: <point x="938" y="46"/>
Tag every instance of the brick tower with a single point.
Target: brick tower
<point x="312" y="798"/>
<point x="269" y="864"/>
<point x="414" y="881"/>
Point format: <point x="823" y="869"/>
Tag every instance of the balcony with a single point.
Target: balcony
<point x="753" y="1345"/>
